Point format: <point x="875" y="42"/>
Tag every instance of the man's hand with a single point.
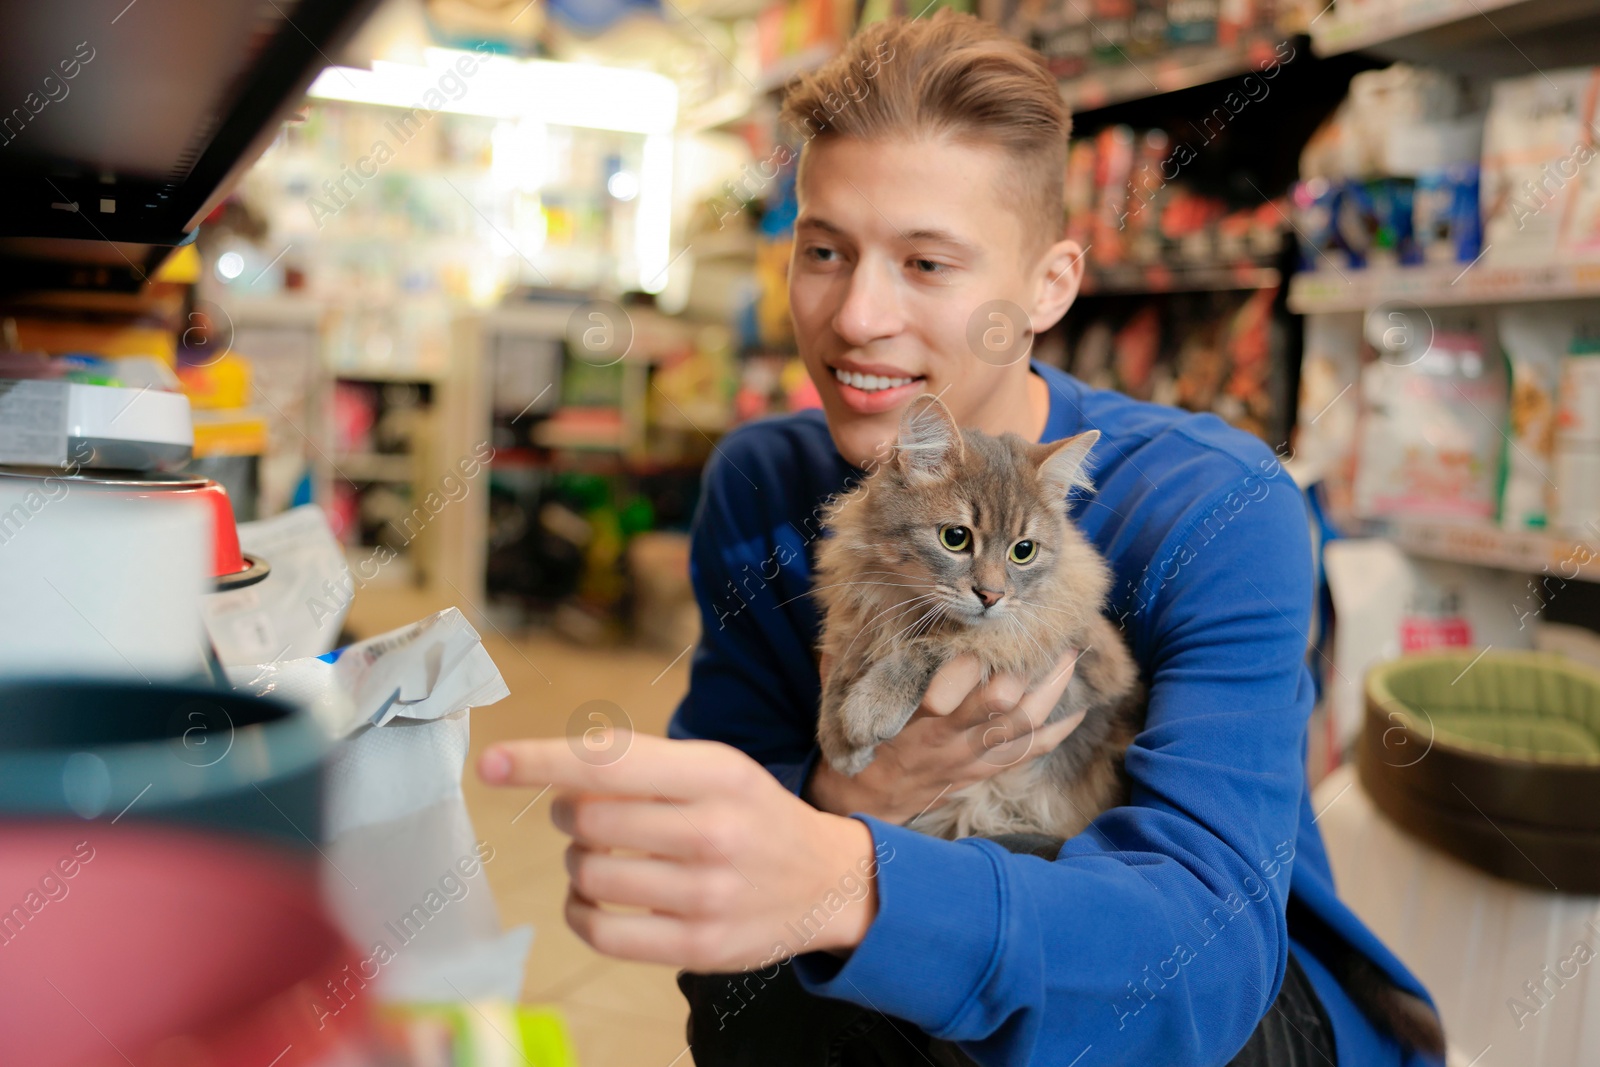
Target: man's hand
<point x="962" y="733"/>
<point x="717" y="863"/>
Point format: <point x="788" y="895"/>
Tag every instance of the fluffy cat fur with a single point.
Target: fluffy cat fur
<point x="898" y="604"/>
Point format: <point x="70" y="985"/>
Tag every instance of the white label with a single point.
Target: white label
<point x="33" y="423"/>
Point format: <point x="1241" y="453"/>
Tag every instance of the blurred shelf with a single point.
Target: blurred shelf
<point x="386" y="375"/>
<point x="731" y="243"/>
<point x="591" y="461"/>
<point x="1379" y="24"/>
<point x="271" y="310"/>
<point x="1182" y="68"/>
<point x="719" y="113"/>
<point x="726" y="10"/>
<point x="1448" y="285"/>
<point x="1110" y="281"/>
<point x="790" y="67"/>
<point x="399" y="573"/>
<point x="374" y="467"/>
<point x="1526" y="551"/>
<point x="576" y="427"/>
<point x="184" y="98"/>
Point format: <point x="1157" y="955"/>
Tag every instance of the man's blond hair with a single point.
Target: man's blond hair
<point x="947" y="76"/>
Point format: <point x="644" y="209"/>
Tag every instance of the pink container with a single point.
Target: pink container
<point x="165" y="947"/>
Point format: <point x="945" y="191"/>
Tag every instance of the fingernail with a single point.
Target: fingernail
<point x="494" y="765"/>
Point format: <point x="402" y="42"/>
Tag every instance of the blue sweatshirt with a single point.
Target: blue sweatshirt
<point x="1159" y="934"/>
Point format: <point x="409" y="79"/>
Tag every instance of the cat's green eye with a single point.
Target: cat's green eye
<point x="955" y="538"/>
<point x="1024" y="551"/>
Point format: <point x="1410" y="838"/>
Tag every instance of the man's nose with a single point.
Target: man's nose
<point x="990" y="597"/>
<point x="870" y="310"/>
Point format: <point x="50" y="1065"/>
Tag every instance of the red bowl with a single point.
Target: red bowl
<point x="226" y="558"/>
<point x="231" y="568"/>
<point x="158" y="946"/>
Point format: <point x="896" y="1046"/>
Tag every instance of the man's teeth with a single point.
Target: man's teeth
<point x="869" y="382"/>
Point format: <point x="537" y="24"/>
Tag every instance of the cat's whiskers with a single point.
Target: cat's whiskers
<point x="930" y="613"/>
<point x="939" y="614"/>
<point x="1030" y="609"/>
<point x="865" y="626"/>
<point x="902" y="614"/>
<point x="836" y="585"/>
<point x="1040" y="605"/>
<point x="1011" y="617"/>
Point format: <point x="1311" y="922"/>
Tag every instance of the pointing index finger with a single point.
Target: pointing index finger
<point x="652" y="767"/>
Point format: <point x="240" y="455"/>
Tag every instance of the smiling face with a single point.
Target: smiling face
<point x="898" y="246"/>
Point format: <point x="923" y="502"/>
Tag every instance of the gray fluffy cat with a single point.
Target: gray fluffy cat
<point x="961" y="543"/>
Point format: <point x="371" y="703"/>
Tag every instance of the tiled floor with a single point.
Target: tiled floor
<point x="620" y="1014"/>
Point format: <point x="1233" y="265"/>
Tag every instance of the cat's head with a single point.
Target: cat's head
<point x="977" y="522"/>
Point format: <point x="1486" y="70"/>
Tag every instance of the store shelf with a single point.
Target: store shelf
<point x="1180" y="69"/>
<point x="592" y="461"/>
<point x="374" y="467"/>
<point x="1528" y="552"/>
<point x="100" y="195"/>
<point x="1110" y="281"/>
<point x="1373" y="26"/>
<point x="726" y="10"/>
<point x="790" y="67"/>
<point x="1449" y="285"/>
<point x="721" y="112"/>
<point x="384" y="375"/>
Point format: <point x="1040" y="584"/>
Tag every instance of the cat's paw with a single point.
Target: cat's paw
<point x="851" y="761"/>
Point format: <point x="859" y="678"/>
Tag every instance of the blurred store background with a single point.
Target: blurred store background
<point x="490" y="295"/>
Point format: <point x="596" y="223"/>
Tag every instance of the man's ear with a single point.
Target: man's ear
<point x="1061" y="275"/>
<point x="929" y="437"/>
<point x="1061" y="463"/>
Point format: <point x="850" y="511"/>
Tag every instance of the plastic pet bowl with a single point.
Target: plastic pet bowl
<point x="105" y="750"/>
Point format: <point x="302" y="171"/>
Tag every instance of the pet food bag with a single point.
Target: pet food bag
<point x="1430" y="441"/>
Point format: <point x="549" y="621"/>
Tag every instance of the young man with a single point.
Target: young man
<point x="1196" y="925"/>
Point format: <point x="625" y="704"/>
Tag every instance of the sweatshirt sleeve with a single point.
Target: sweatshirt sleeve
<point x="753" y="680"/>
<point x="1158" y="934"/>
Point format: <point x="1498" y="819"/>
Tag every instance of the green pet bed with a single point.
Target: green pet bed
<point x="1494" y="758"/>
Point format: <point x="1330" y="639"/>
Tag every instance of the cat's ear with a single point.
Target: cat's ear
<point x="929" y="441"/>
<point x="1061" y="463"/>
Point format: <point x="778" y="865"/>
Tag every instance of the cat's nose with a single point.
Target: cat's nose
<point x="990" y="597"/>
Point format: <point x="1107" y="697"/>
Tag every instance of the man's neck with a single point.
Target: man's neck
<point x="1038" y="407"/>
<point x="1023" y="409"/>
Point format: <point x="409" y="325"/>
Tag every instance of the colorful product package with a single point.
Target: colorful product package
<point x="1534" y="339"/>
<point x="1316" y="212"/>
<point x="1114" y="150"/>
<point x="1430" y="440"/>
<point x="1577" y="443"/>
<point x="1537" y="145"/>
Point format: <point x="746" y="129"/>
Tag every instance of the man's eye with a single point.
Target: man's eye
<point x="822" y="255"/>
<point x="927" y="266"/>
